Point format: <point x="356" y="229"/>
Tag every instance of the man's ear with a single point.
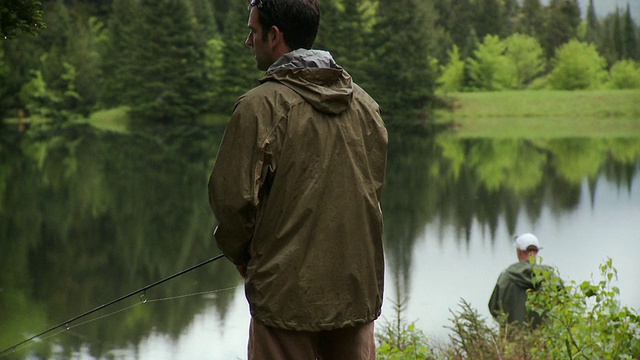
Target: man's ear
<point x="276" y="37"/>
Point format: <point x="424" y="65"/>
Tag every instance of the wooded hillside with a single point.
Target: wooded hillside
<point x="171" y="60"/>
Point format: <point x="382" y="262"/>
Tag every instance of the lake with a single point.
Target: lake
<point x="87" y="216"/>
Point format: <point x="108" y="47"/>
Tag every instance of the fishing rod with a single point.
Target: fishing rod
<point x="66" y="323"/>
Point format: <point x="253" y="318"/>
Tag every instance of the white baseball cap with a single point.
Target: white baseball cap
<point x="523" y="241"/>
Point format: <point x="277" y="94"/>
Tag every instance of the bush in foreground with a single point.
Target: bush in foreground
<point x="582" y="321"/>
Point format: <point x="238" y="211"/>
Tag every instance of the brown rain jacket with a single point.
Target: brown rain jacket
<point x="296" y="188"/>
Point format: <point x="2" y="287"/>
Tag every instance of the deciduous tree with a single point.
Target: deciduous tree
<point x="625" y="74"/>
<point x="20" y="15"/>
<point x="527" y="56"/>
<point x="577" y="65"/>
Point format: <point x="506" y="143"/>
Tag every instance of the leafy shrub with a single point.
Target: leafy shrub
<point x="625" y="74"/>
<point x="585" y="320"/>
<point x="527" y="56"/>
<point x="577" y="65"/>
<point x="581" y="321"/>
<point x="401" y="341"/>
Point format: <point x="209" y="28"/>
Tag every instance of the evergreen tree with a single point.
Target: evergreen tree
<point x="221" y="10"/>
<point x="452" y="77"/>
<point x="353" y="17"/>
<point x="118" y="54"/>
<point x="563" y="18"/>
<point x="618" y="41"/>
<point x="460" y="27"/>
<point x="240" y="73"/>
<point x="4" y="70"/>
<point x="443" y="10"/>
<point x="629" y="36"/>
<point x="531" y="21"/>
<point x="607" y="46"/>
<point x="592" y="30"/>
<point x="404" y="73"/>
<point x="489" y="18"/>
<point x="206" y="21"/>
<point x="55" y="43"/>
<point x="511" y="11"/>
<point x="170" y="83"/>
<point x="84" y="55"/>
<point x="489" y="68"/>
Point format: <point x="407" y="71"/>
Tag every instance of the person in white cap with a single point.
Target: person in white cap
<point x="510" y="293"/>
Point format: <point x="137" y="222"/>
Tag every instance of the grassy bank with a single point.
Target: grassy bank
<point x="114" y="120"/>
<point x="544" y="113"/>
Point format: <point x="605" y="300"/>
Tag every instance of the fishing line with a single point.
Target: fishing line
<point x="68" y="327"/>
<point x="67" y="324"/>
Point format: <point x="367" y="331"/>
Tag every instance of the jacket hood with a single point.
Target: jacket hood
<point x="316" y="77"/>
<point x="521" y="274"/>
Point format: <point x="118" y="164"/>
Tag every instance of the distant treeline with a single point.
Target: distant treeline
<point x="170" y="61"/>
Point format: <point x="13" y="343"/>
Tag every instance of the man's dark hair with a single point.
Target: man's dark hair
<point x="298" y="20"/>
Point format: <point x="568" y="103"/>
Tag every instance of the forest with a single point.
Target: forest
<point x="174" y="61"/>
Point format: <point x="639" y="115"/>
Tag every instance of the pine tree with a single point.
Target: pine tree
<point x="170" y="83"/>
<point x="563" y="19"/>
<point x="118" y="55"/>
<point x="606" y="39"/>
<point x="532" y="19"/>
<point x="618" y="41"/>
<point x="511" y="10"/>
<point x="221" y="10"/>
<point x="592" y="29"/>
<point x="353" y="17"/>
<point x="204" y="14"/>
<point x="629" y="37"/>
<point x="404" y="73"/>
<point x="489" y="18"/>
<point x="240" y="73"/>
<point x="460" y="27"/>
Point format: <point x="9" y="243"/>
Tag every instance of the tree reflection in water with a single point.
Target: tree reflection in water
<point x="89" y="215"/>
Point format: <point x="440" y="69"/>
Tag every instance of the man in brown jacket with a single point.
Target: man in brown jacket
<point x="296" y="189"/>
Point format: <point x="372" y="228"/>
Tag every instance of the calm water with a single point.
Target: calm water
<point x="88" y="216"/>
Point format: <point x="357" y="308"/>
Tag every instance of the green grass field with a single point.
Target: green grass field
<point x="544" y="113"/>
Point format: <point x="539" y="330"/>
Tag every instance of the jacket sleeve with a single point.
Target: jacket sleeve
<point x="495" y="303"/>
<point x="234" y="184"/>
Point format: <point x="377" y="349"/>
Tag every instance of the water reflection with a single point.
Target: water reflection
<point x="87" y="216"/>
<point x="455" y="183"/>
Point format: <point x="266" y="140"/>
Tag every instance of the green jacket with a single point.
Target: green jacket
<point x="510" y="294"/>
<point x="296" y="189"/>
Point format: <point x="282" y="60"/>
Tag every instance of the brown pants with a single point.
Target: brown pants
<point x="352" y="343"/>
